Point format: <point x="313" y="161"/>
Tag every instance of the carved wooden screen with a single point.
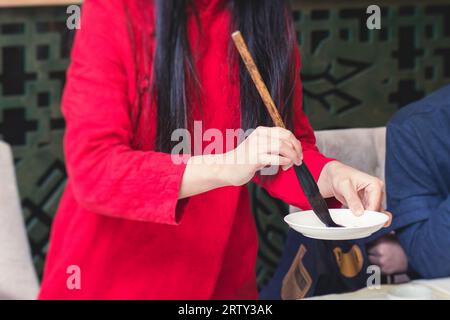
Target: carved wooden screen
<point x="352" y="77"/>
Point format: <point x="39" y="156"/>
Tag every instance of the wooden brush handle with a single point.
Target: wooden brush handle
<point x="304" y="176"/>
<point x="257" y="79"/>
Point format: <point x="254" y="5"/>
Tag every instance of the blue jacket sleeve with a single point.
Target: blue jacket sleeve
<point x="421" y="215"/>
<point x="427" y="243"/>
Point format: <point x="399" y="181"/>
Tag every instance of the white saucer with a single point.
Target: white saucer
<point x="307" y="223"/>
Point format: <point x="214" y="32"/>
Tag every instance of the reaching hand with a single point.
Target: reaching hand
<point x="388" y="254"/>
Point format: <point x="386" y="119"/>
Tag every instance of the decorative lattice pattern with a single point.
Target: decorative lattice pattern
<point x="352" y="77"/>
<point x="34" y="50"/>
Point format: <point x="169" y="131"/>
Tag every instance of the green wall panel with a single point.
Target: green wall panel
<point x="34" y="50"/>
<point x="352" y="77"/>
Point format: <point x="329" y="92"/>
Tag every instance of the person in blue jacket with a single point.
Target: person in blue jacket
<point x="418" y="182"/>
<point x="418" y="195"/>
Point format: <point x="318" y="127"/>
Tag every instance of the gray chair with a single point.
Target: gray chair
<point x="363" y="149"/>
<point x="17" y="274"/>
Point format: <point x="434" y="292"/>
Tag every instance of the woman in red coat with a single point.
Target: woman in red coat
<point x="136" y="222"/>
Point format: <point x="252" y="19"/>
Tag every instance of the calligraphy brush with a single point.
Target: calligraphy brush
<point x="304" y="176"/>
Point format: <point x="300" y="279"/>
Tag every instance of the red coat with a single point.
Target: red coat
<point x="120" y="220"/>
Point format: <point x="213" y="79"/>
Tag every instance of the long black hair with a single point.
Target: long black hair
<point x="267" y="27"/>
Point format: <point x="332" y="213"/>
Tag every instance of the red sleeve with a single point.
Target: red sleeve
<point x="284" y="185"/>
<point x="106" y="175"/>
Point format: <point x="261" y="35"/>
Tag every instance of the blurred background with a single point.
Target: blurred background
<point x="352" y="77"/>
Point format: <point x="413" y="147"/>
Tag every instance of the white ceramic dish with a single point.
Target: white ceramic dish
<point x="307" y="223"/>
